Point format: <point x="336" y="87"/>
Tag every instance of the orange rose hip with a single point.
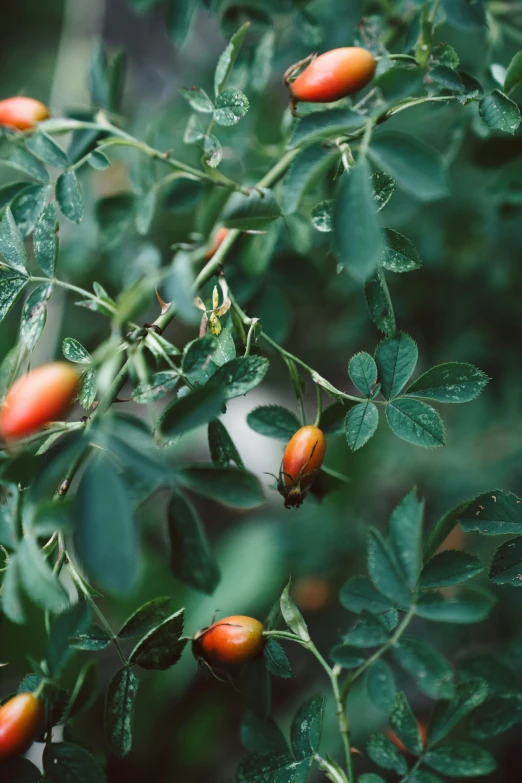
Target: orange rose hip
<point x="20" y="721"/>
<point x="302" y="460"/>
<point x="233" y="640"/>
<point x="21" y="112"/>
<point x="334" y="75"/>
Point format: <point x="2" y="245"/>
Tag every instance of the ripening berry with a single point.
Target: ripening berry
<point x="20" y="721"/>
<point x="35" y="399"/>
<point x="235" y="639"/>
<point x="22" y="113"/>
<point x="219" y="236"/>
<point x="302" y="460"/>
<point x="334" y="75"/>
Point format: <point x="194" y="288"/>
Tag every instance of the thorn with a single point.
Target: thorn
<point x="165" y="306"/>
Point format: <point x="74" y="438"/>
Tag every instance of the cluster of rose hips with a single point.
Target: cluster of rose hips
<point x="45" y="394"/>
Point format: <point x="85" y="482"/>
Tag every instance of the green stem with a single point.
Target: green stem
<point x="319" y="405"/>
<point x="75" y="288"/>
<point x="410" y="772"/>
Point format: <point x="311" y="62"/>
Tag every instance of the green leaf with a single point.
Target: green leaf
<point x="467" y="14"/>
<point x="470" y="606"/>
<point x="324" y="125"/>
<point x="259" y="735"/>
<point x="496" y="715"/>
<point x="450" y="568"/>
<point x="160" y="384"/>
<point x="27" y="207"/>
<point x="380" y="685"/>
<point x="321" y="215"/>
<point x="447" y="714"/>
<point x="416" y="422"/>
<point x="431" y="671"/>
<point x="75" y="352"/>
<point x="383" y="752"/>
<point x="276" y="660"/>
<point x="233" y="487"/>
<point x="34" y="313"/>
<point x="38" y="580"/>
<point x="363" y="372"/>
<point x="399" y="254"/>
<point x="347" y="657"/>
<point x="418" y="169"/>
<point x="253" y="212"/>
<point x="198" y="99"/>
<point x="119" y="705"/>
<point x="506" y="564"/>
<point x="97" y="160"/>
<point x="379" y="303"/>
<point x="451" y="382"/>
<point x="88" y="387"/>
<point x="179" y="14"/>
<point x="404" y="724"/>
<point x="92" y="638"/>
<point x="460" y="759"/>
<point x="228" y="58"/>
<point x="405" y="528"/>
<point x="274" y="421"/>
<point x="114" y="215"/>
<point x="306" y="727"/>
<point x="222" y="448"/>
<point x="384" y="570"/>
<point x="292" y="616"/>
<point x="213" y="151"/>
<point x="231" y="106"/>
<point x="513" y="73"/>
<point x="494" y="513"/>
<point x="197" y="362"/>
<point x="191" y="411"/>
<point x="11" y="243"/>
<point x="14" y="154"/>
<point x="369" y="631"/>
<point x="45" y="239"/>
<point x="67" y="763"/>
<point x="12" y="598"/>
<point x="358" y="595"/>
<point x="69" y="197"/>
<point x="20" y="770"/>
<point x="147" y="617"/>
<point x="446" y="78"/>
<point x="500" y="112"/>
<point x="241" y="375"/>
<point x="383" y="188"/>
<point x="358" y="234"/>
<point x="225" y="348"/>
<point x="161" y="647"/>
<point x="105" y="536"/>
<point x="360" y="424"/>
<point x="47" y="149"/>
<point x="271" y="768"/>
<point x="191" y="559"/>
<point x="396" y="358"/>
<point x="304" y="170"/>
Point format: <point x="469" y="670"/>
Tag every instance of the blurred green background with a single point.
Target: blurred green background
<point x="465" y="304"/>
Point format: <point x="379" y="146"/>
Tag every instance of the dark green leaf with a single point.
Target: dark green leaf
<point x="379" y="303"/>
<point x="274" y="421"/>
<point x="513" y="73"/>
<point x="384" y="570"/>
<point x="69" y="197"/>
<point x="14" y="154"/>
<point x="38" y="580"/>
<point x="270" y="768"/>
<point x="369" y="631"/>
<point x="45" y="239"/>
<point x="260" y="736"/>
<point x="75" y="352"/>
<point x="383" y="188"/>
<point x="306" y="727"/>
<point x="449" y="568"/>
<point x="363" y="372"/>
<point x="34" y="314"/>
<point x="321" y="216"/>
<point x="147" y="617"/>
<point x="325" y="124"/>
<point x="88" y="388"/>
<point x="347" y="657"/>
<point x="467" y="14"/>
<point x="161" y="647"/>
<point x="105" y="535"/>
<point x="27" y="207"/>
<point x="222" y="448"/>
<point x="358" y="595"/>
<point x="276" y="660"/>
<point x="241" y="375"/>
<point x="305" y="169"/>
<point x="231" y="106"/>
<point x="506" y="565"/>
<point x="493" y="513"/>
<point x="228" y="58"/>
<point x="396" y="358"/>
<point x="500" y="112"/>
<point x="160" y="384"/>
<point x="197" y="362"/>
<point x="191" y="411"/>
<point x="432" y="672"/>
<point x="383" y="752"/>
<point x="11" y="243"/>
<point x="405" y="528"/>
<point x="461" y="760"/>
<point x="119" y="705"/>
<point x="448" y="714"/>
<point x="358" y="234"/>
<point x="404" y="724"/>
<point x="251" y="212"/>
<point x="47" y="149"/>
<point x="380" y="685"/>
<point x="416" y="422"/>
<point x="469" y="606"/>
<point x="417" y="168"/>
<point x="496" y="715"/>
<point x="292" y="616"/>
<point x="231" y="486"/>
<point x="67" y="763"/>
<point x="399" y="253"/>
<point x="12" y="598"/>
<point x="191" y="559"/>
<point x="451" y="382"/>
<point x="73" y="622"/>
<point x="11" y="285"/>
<point x="92" y="638"/>
<point x="179" y="14"/>
<point x="360" y="424"/>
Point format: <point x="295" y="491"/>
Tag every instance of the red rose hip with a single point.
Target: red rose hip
<point x="334" y="75"/>
<point x="22" y="113"/>
<point x="20" y="721"/>
<point x="302" y="460"/>
<point x="233" y="640"/>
